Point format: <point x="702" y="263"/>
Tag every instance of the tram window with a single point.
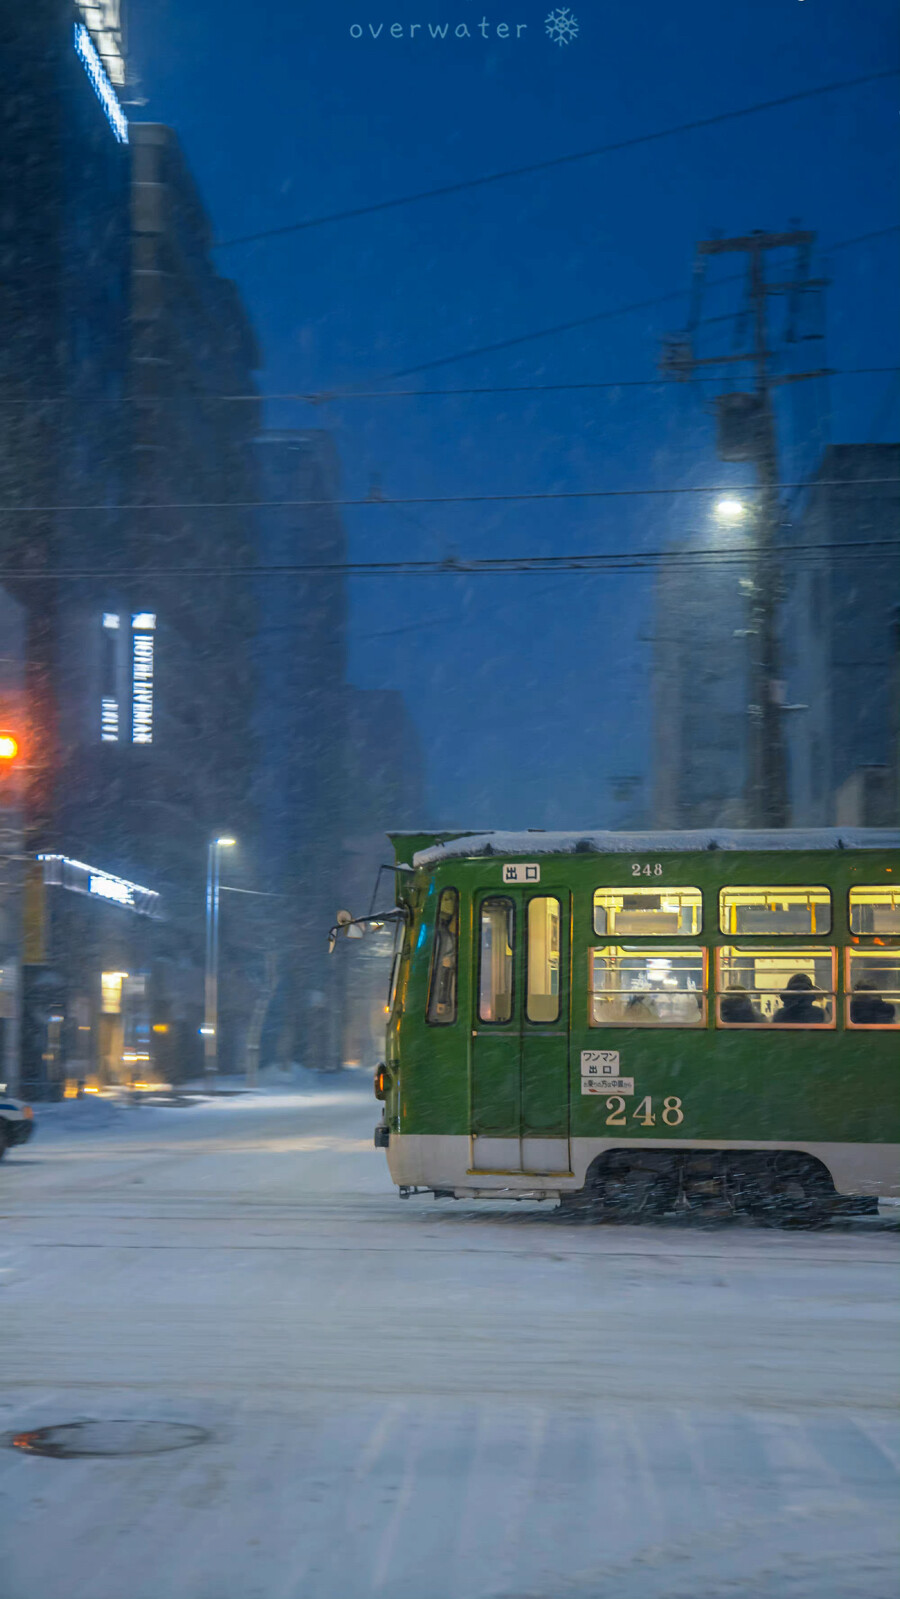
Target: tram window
<point x="441" y="1010"/>
<point x="542" y="999"/>
<point x="874" y="909"/>
<point x="402" y="931"/>
<point x="654" y="912"/>
<point x="647" y="988"/>
<point x="873" y="988"/>
<point x="495" y="969"/>
<point x="775" y="988"/>
<point x="797" y="910"/>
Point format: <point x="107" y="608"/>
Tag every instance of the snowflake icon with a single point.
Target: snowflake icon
<point x="562" y="26"/>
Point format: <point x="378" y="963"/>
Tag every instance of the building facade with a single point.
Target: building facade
<point x="301" y="730"/>
<point x="124" y="352"/>
<point x="64" y="254"/>
<point x="700" y="690"/>
<point x="12" y="841"/>
<point x="839" y="641"/>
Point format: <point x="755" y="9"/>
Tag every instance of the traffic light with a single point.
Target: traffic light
<point x="10" y="770"/>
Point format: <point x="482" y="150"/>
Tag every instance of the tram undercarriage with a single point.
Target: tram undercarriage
<point x="770" y="1186"/>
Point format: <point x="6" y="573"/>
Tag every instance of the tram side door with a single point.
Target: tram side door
<point x="519" y="1037"/>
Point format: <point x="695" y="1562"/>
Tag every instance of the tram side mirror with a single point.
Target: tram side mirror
<point x="344" y="923"/>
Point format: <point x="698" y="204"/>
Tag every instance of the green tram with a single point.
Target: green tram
<point x="646" y="1020"/>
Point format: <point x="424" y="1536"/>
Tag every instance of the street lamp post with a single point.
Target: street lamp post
<point x="211" y="985"/>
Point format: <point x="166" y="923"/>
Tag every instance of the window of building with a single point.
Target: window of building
<point x="874" y="909"/>
<point x="654" y="912"/>
<point x="441" y="1010"/>
<point x="873" y="988"/>
<point x="542" y="1000"/>
<point x="775" y="988"/>
<point x="796" y="910"/>
<point x="495" y="960"/>
<point x="647" y="988"/>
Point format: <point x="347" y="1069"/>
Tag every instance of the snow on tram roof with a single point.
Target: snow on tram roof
<point x="608" y="843"/>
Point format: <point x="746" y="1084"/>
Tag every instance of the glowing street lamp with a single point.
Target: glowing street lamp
<point x="730" y="510"/>
<point x="210" y="1029"/>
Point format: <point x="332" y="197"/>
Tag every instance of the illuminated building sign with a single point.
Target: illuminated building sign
<point x="109" y="674"/>
<point x="86" y="51"/>
<point x="103" y="21"/>
<point x="109" y="720"/>
<point x="62" y="872"/>
<point x="143" y="623"/>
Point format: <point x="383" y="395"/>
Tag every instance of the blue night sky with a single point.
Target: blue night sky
<point x="529" y="692"/>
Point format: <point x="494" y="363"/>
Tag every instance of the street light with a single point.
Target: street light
<point x="210" y="1029"/>
<point x="730" y="510"/>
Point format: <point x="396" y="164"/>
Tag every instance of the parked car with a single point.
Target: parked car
<point x="16" y="1122"/>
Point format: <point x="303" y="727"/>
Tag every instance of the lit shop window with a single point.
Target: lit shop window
<point x="143" y="624"/>
<point x="111" y="992"/>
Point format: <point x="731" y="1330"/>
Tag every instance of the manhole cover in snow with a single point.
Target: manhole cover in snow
<point x="76" y="1438"/>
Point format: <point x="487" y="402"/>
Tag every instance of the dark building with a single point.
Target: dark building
<point x="302" y="785"/>
<point x="159" y="700"/>
<point x="123" y="352"/>
<point x="12" y="721"/>
<point x="64" y="251"/>
<point x="839" y="641"/>
<point x="700" y="690"/>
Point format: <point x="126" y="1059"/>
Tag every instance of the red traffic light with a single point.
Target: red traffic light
<point x="9" y="746"/>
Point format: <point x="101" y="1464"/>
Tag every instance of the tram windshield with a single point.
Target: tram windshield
<point x="445" y="961"/>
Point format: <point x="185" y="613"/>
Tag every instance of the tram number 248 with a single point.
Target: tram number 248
<point x="647" y="870"/>
<point x="672" y="1113"/>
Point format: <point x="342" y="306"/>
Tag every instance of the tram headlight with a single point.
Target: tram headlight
<point x="381" y="1082"/>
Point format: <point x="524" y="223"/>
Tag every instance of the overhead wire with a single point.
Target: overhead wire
<point x="420" y="499"/>
<point x="635" y="141"/>
<point x="718" y="556"/>
<point x="330" y="397"/>
<point x="622" y="310"/>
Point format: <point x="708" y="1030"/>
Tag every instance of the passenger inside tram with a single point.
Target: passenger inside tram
<point x="737" y="1006"/>
<point x="868" y="1009"/>
<point x="798" y="1007"/>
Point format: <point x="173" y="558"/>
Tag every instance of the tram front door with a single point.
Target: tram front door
<point x="519" y="1040"/>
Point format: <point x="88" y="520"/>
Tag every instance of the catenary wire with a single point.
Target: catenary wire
<point x="622" y="310"/>
<point x="631" y="143"/>
<point x="524" y="338"/>
<point x="485" y="566"/>
<point x="427" y="499"/>
<point x="330" y="397"/>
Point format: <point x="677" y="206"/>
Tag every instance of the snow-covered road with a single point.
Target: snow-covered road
<point x="424" y="1400"/>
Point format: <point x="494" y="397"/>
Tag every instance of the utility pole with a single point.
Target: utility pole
<point x="747" y="432"/>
